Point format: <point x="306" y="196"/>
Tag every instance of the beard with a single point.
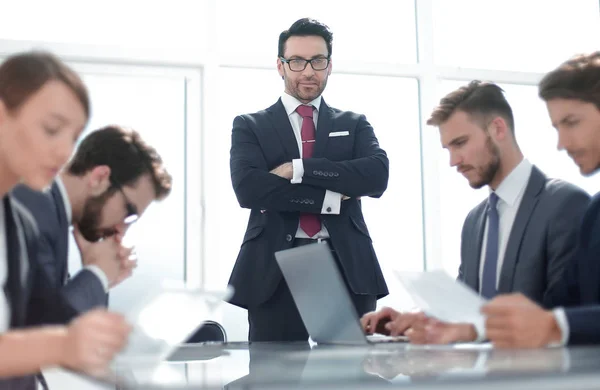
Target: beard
<point x="89" y="225"/>
<point x="295" y="90"/>
<point x="489" y="170"/>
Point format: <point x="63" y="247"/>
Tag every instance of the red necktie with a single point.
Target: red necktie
<point x="310" y="223"/>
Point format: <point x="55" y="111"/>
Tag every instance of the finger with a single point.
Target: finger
<point x="508" y="300"/>
<point x="396" y="328"/>
<point x="131" y="264"/>
<point x="497" y="309"/>
<point x="498" y="335"/>
<point x="442" y="333"/>
<point x="125" y="252"/>
<point x="133" y="255"/>
<point x="111" y="342"/>
<point x="125" y="274"/>
<point x="405" y="321"/>
<point x="387" y="311"/>
<point x="499" y="322"/>
<point x="364" y="321"/>
<point x="105" y="317"/>
<point x="415" y="336"/>
<point x="81" y="242"/>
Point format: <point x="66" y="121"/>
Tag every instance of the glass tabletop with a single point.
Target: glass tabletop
<point x="276" y="365"/>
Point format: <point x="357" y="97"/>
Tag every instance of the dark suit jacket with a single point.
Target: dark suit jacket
<point x="22" y="244"/>
<point x="84" y="291"/>
<point x="352" y="165"/>
<point x="579" y="290"/>
<point x="542" y="240"/>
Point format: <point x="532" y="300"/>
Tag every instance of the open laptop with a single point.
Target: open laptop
<point x="321" y="296"/>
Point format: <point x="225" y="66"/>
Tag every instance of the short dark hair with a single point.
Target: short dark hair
<point x="23" y="74"/>
<point x="478" y="99"/>
<point x="577" y="78"/>
<point x="127" y="156"/>
<point x="303" y="28"/>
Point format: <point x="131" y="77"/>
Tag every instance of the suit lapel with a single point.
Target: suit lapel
<point x="63" y="245"/>
<point x="283" y="129"/>
<point x="61" y="210"/>
<point x="324" y="127"/>
<point x="530" y="198"/>
<point x="14" y="287"/>
<point x="472" y="264"/>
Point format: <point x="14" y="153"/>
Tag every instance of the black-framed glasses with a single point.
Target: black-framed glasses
<point x="130" y="208"/>
<point x="299" y="64"/>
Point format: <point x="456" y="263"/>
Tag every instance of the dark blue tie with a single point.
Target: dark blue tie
<point x="488" y="281"/>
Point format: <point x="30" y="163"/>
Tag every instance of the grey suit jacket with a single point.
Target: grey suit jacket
<point x="84" y="291"/>
<point x="542" y="241"/>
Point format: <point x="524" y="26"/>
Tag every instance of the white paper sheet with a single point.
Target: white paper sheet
<point x="443" y="297"/>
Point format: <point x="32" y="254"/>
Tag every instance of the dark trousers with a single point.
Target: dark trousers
<point x="278" y="319"/>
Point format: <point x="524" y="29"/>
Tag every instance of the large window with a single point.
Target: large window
<point x="180" y="71"/>
<point x="153" y="102"/>
<point x="537" y="140"/>
<point x="525" y="36"/>
<point x="120" y="24"/>
<point x="362" y="32"/>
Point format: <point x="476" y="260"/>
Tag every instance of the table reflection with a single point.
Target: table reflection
<point x="262" y="365"/>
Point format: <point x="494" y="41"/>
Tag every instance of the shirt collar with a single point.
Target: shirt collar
<point x="65" y="197"/>
<point x="290" y="103"/>
<point x="515" y="183"/>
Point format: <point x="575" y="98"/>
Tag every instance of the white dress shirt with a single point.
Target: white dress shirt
<point x="4" y="307"/>
<point x="510" y="193"/>
<point x="69" y="211"/>
<point x="332" y="200"/>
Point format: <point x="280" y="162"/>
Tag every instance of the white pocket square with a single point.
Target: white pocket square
<point x="339" y="133"/>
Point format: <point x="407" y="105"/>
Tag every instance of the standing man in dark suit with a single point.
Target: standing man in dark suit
<point x="302" y="166"/>
<point x="110" y="181"/>
<point x="521" y="238"/>
<point x="572" y="96"/>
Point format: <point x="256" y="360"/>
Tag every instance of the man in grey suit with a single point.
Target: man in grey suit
<point x="523" y="235"/>
<point x="110" y="181"/>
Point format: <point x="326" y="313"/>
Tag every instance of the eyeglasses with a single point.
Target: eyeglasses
<point x="299" y="64"/>
<point x="132" y="212"/>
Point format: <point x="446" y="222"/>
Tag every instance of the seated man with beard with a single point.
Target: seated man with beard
<point x="110" y="181"/>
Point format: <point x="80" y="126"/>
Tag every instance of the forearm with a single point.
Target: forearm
<point x="24" y="352"/>
<point x="366" y="176"/>
<point x="84" y="291"/>
<point x="256" y="189"/>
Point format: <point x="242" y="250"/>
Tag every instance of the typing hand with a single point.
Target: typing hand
<point x="432" y="331"/>
<point x="375" y="321"/>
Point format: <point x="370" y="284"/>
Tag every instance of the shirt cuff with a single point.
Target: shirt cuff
<point x="479" y="325"/>
<point x="332" y="203"/>
<point x="563" y="324"/>
<point x="298" y="171"/>
<point x="100" y="274"/>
